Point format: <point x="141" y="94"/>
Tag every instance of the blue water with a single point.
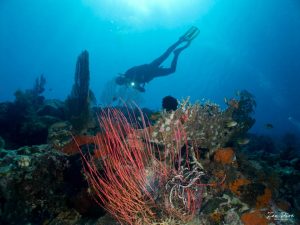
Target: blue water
<point x="249" y="44"/>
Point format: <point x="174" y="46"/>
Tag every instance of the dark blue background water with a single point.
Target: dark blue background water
<point x="249" y="44"/>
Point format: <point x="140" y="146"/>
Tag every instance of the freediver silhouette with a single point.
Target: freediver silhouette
<point x="137" y="76"/>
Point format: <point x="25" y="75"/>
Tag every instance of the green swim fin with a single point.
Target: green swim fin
<point x="190" y="34"/>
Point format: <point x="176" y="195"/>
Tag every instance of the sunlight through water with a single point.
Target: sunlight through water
<point x="147" y="13"/>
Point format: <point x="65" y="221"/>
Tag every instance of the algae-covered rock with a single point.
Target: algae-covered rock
<point x="32" y="185"/>
<point x="60" y="134"/>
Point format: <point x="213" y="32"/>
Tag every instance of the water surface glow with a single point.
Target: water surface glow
<point x="150" y="12"/>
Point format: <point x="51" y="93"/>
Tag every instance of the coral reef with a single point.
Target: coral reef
<point x="185" y="167"/>
<point x="207" y="126"/>
<point x="26" y="120"/>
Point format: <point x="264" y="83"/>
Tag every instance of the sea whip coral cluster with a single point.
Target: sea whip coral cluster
<point x="140" y="182"/>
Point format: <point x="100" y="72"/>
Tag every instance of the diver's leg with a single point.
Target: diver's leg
<point x="172" y="69"/>
<point x="166" y="71"/>
<point x="166" y="54"/>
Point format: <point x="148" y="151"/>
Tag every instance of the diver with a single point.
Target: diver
<point x="137" y="76"/>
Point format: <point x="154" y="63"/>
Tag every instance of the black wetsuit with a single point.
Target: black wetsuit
<point x="140" y="75"/>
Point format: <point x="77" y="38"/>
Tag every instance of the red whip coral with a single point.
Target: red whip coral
<point x="137" y="185"/>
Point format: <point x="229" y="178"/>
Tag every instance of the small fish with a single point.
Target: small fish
<point x="269" y="125"/>
<point x="231" y="123"/>
<point x="243" y="141"/>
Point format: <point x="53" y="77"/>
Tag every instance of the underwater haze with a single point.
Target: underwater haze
<point x="251" y="45"/>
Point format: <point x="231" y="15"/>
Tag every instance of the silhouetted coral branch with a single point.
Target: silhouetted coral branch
<point x="78" y="102"/>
